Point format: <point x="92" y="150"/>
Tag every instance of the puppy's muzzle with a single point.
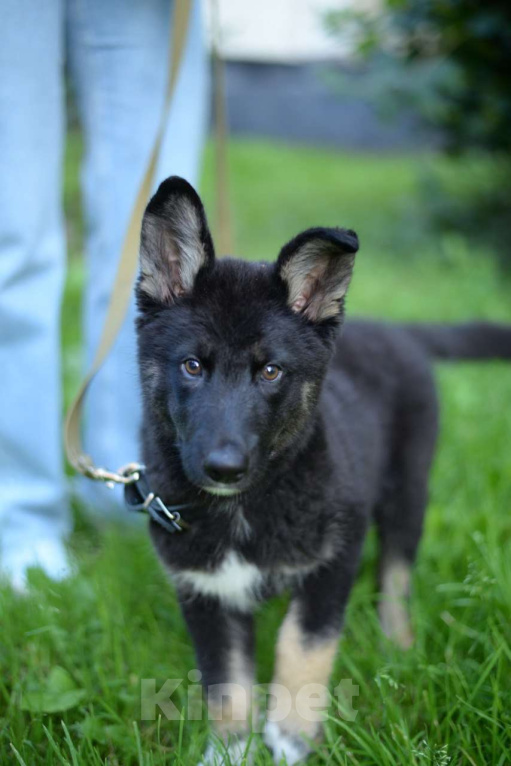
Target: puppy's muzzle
<point x="227" y="464"/>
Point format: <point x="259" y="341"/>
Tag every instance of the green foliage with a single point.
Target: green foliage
<point x="447" y="700"/>
<point x="56" y="693"/>
<point x="473" y="198"/>
<point x="461" y="52"/>
<point x="449" y="61"/>
<point x="476" y="39"/>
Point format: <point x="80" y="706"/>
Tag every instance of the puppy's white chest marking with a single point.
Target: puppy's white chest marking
<point x="235" y="582"/>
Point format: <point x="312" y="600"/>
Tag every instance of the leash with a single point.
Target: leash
<point x="137" y="493"/>
<point x="223" y="212"/>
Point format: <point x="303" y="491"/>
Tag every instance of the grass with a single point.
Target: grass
<point x="72" y="655"/>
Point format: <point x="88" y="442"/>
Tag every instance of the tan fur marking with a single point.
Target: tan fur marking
<point x="299" y="663"/>
<point x="308" y="395"/>
<point x="230" y="711"/>
<point x="393" y="610"/>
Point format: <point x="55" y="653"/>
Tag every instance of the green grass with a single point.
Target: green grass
<point x="81" y="648"/>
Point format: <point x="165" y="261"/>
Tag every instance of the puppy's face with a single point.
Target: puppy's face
<point x="233" y="354"/>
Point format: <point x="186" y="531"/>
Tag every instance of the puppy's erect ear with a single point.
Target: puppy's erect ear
<point x="316" y="267"/>
<point x="175" y="241"/>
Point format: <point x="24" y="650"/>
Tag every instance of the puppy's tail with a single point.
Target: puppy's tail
<point x="473" y="340"/>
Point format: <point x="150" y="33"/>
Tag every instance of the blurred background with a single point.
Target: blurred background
<point x="392" y="117"/>
<point x="389" y="116"/>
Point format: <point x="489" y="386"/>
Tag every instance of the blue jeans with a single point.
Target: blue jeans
<point x="117" y="52"/>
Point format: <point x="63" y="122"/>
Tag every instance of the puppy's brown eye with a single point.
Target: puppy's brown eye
<point x="271" y="372"/>
<point x="192" y="367"/>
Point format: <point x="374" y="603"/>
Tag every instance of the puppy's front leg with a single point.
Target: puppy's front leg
<point x="306" y="650"/>
<point x="224" y="645"/>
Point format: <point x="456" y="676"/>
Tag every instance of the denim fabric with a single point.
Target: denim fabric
<point x="117" y="51"/>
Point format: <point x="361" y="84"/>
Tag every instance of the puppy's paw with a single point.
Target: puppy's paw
<point x="395" y="623"/>
<point x="235" y="752"/>
<point x="289" y="748"/>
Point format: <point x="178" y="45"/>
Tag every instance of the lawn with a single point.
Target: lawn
<point x="72" y="655"/>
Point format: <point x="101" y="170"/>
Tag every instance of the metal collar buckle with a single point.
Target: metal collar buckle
<point x="139" y="497"/>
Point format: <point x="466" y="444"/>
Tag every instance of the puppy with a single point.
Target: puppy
<point x="285" y="440"/>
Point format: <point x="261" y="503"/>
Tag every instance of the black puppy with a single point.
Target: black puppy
<point x="287" y="442"/>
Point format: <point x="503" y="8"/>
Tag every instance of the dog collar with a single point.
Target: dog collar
<point x="138" y="497"/>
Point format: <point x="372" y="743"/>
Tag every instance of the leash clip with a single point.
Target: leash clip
<point x="128" y="474"/>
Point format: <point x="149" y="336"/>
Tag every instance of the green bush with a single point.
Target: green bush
<point x="449" y="60"/>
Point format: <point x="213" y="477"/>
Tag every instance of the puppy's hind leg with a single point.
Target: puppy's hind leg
<point x="400" y="515"/>
<point x="395" y="580"/>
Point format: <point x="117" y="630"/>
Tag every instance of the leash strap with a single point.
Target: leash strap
<point x="223" y="211"/>
<point x="128" y="263"/>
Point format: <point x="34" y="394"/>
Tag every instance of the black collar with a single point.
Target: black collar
<point x="139" y="497"/>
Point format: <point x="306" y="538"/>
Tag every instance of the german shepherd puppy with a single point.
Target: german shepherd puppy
<point x="286" y="440"/>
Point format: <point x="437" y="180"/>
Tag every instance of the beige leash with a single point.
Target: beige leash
<point x="128" y="263"/>
<point x="223" y="212"/>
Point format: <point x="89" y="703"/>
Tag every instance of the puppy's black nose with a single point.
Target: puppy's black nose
<point x="226" y="465"/>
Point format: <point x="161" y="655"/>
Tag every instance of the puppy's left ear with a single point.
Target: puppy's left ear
<point x="316" y="267"/>
<point x="175" y="242"/>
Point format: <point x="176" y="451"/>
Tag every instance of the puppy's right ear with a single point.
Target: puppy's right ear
<point x="175" y="242"/>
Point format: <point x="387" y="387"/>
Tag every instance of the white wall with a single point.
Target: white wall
<point x="290" y="31"/>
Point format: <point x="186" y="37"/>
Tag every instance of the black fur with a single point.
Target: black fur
<point x="346" y="435"/>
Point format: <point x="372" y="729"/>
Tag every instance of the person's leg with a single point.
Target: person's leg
<point x="119" y="53"/>
<point x="33" y="511"/>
